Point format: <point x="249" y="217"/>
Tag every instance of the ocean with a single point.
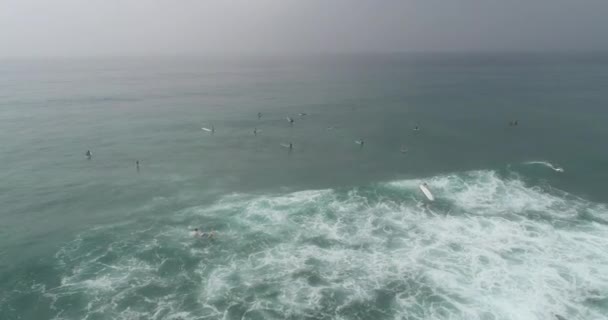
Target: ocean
<point x="329" y="229"/>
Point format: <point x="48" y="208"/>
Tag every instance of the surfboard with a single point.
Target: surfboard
<point x="427" y="192"/>
<point x="206" y="129"/>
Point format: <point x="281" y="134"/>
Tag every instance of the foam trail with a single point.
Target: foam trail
<point x="546" y="164"/>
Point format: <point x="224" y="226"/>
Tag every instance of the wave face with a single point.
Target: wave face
<point x="490" y="247"/>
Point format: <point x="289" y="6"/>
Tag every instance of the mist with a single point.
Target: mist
<point x="194" y="27"/>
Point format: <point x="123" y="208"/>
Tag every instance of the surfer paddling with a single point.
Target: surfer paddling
<point x="199" y="234"/>
<point x="196" y="233"/>
<point x="89" y="154"/>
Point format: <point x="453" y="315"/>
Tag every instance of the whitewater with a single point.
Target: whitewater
<point x="490" y="247"/>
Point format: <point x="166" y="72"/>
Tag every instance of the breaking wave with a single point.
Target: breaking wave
<point x="490" y="247"/>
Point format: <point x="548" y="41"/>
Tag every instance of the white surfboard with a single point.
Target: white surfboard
<point x="206" y="129"/>
<point x="427" y="192"/>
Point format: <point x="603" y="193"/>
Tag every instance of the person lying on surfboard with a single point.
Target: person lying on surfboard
<point x="198" y="234"/>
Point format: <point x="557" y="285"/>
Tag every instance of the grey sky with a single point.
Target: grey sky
<point x="166" y="27"/>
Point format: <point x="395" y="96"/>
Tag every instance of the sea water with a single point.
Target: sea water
<point x="329" y="229"/>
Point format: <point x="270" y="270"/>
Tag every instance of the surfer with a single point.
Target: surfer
<point x="137" y="165"/>
<point x="290" y="146"/>
<point x="255" y="131"/>
<point x="360" y="142"/>
<point x="302" y="114"/>
<point x="89" y="154"/>
<point x="212" y="129"/>
<point x="197" y="233"/>
<point x="417" y="128"/>
<point x="290" y="120"/>
<point x="259" y="115"/>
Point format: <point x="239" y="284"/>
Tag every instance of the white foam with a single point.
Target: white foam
<point x="410" y="184"/>
<point x="546" y="164"/>
<point x="484" y="192"/>
<point x="325" y="253"/>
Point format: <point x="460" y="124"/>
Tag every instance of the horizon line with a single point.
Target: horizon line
<point x="309" y="54"/>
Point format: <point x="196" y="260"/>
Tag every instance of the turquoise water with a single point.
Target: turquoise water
<point x="328" y="230"/>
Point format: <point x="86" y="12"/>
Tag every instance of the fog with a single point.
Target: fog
<point x="199" y="27"/>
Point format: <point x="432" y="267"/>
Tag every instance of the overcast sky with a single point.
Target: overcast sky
<point x="176" y="27"/>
